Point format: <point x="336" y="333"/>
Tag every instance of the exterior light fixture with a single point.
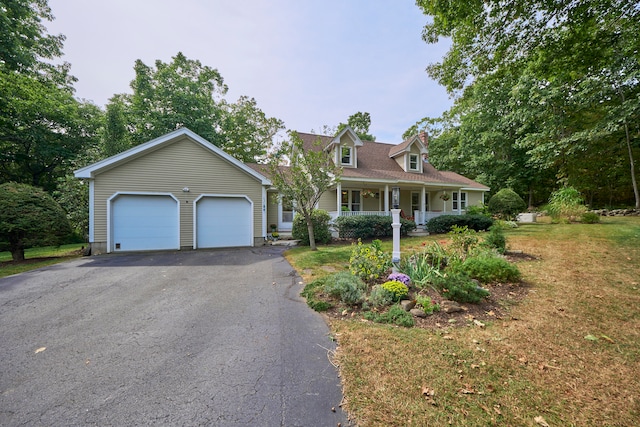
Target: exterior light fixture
<point x="395" y="197"/>
<point x="185" y="189"/>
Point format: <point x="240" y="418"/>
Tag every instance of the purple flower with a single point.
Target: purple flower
<point x="400" y="277"/>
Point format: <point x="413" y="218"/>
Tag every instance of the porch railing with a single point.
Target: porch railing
<point x="420" y="217"/>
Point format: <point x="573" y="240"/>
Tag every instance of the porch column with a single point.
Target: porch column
<point x="423" y="205"/>
<point x="459" y="202"/>
<point x="339" y="198"/>
<point x="386" y="198"/>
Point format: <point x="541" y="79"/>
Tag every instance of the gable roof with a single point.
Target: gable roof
<point x="406" y="146"/>
<point x="376" y="164"/>
<point x="139" y="150"/>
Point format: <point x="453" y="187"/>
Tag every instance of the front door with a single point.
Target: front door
<point x="285" y="214"/>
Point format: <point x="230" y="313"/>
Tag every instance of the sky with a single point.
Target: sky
<point x="309" y="63"/>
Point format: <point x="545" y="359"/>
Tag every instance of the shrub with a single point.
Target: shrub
<point x="396" y="315"/>
<point x="506" y="204"/>
<point x="345" y="286"/>
<point x="459" y="287"/>
<point x="320" y="220"/>
<point x="29" y="217"/>
<point x="444" y="223"/>
<point x="491" y="269"/>
<point x="398" y="289"/>
<point x="400" y="277"/>
<point x="590" y="218"/>
<point x="427" y="304"/>
<point x="310" y="293"/>
<point x="370" y="226"/>
<point x="380" y="297"/>
<point x="566" y="204"/>
<point x="463" y="241"/>
<point x="495" y="239"/>
<point x="478" y="210"/>
<point x="369" y="262"/>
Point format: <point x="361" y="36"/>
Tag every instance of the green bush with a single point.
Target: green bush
<point x="478" y="210"/>
<point x="370" y="226"/>
<point x="444" y="223"/>
<point x="496" y="239"/>
<point x="396" y="316"/>
<point x="491" y="270"/>
<point x="369" y="262"/>
<point x="459" y="287"/>
<point x="566" y="204"/>
<point x="345" y="286"/>
<point x="380" y="297"/>
<point x="310" y="292"/>
<point x="506" y="204"/>
<point x="590" y="218"/>
<point x="397" y="288"/>
<point x="320" y="220"/>
<point x="427" y="305"/>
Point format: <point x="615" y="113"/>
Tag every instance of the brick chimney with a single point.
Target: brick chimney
<point x="425" y="141"/>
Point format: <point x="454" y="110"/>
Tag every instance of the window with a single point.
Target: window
<point x="463" y="201"/>
<point x="350" y="200"/>
<point x="345" y="155"/>
<point x="413" y="162"/>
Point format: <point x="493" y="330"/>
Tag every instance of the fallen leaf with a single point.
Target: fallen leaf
<point x="429" y="393"/>
<point x="497" y="410"/>
<point x="344" y="312"/>
<point x="40" y="350"/>
<point x="591" y="337"/>
<point x="478" y="323"/>
<point x="475" y="366"/>
<point x="606" y="338"/>
<point x="491" y="313"/>
<point x="447" y="337"/>
<point x="539" y="420"/>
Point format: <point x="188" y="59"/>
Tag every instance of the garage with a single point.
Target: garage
<point x="144" y="222"/>
<point x="223" y="221"/>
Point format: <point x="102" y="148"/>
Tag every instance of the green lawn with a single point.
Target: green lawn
<point x="38" y="257"/>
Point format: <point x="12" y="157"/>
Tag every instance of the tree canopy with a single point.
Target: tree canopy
<point x="29" y="217"/>
<point x="360" y="123"/>
<point x="550" y="90"/>
<point x="186" y="93"/>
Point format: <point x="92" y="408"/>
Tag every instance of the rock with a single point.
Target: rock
<point x="450" y="307"/>
<point x="407" y="305"/>
<point x="416" y="312"/>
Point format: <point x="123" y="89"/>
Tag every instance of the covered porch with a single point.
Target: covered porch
<point x="419" y="203"/>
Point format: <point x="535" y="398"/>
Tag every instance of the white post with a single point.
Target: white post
<point x="395" y="224"/>
<point x="339" y="198"/>
<point x="386" y="198"/>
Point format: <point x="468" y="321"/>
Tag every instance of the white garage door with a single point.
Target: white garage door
<point x="144" y="222"/>
<point x="223" y="222"/>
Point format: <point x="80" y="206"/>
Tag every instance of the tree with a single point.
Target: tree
<point x="506" y="204"/>
<point x="360" y="123"/>
<point x="23" y="38"/>
<point x="186" y="93"/>
<point x="309" y="174"/>
<point x="29" y="217"/>
<point x="567" y="75"/>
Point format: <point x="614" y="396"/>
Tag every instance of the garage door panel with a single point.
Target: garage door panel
<point x="223" y="222"/>
<point x="144" y="222"/>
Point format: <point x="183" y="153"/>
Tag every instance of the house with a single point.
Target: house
<point x="179" y="191"/>
<point x="370" y="172"/>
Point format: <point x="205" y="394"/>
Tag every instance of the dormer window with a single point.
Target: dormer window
<point x="413" y="162"/>
<point x="346" y="155"/>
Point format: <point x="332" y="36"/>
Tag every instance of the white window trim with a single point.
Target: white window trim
<point x="417" y="157"/>
<point x="463" y="200"/>
<point x="350" y="163"/>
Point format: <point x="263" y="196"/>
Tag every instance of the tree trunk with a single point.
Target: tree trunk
<point x="17" y="253"/>
<point x="312" y="238"/>
<point x="634" y="183"/>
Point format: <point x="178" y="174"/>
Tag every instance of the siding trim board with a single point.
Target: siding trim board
<point x="110" y="202"/>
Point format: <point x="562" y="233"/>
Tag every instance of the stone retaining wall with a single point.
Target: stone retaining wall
<point x="617" y="212"/>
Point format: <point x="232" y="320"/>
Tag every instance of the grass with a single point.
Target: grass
<point x="37" y="258"/>
<point x="538" y="363"/>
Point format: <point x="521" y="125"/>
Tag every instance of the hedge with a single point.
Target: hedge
<point x="320" y="220"/>
<point x="444" y="223"/>
<point x="367" y="227"/>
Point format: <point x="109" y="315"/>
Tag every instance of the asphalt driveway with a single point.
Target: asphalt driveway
<point x="188" y="338"/>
